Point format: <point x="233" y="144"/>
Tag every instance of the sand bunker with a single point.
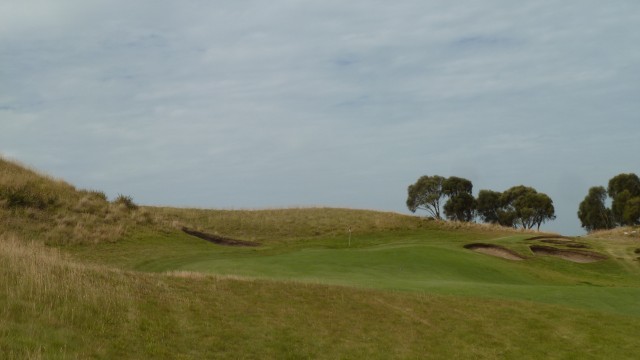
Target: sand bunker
<point x="579" y="256"/>
<point x="560" y="240"/>
<point x="567" y="243"/>
<point x="494" y="250"/>
<point x="220" y="240"/>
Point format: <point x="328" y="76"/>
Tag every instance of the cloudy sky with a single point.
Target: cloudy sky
<point x="253" y="104"/>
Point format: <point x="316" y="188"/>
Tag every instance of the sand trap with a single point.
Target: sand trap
<point x="549" y="237"/>
<point x="578" y="256"/>
<point x="220" y="240"/>
<point x="567" y="243"/>
<point x="494" y="250"/>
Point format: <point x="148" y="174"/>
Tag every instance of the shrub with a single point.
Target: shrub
<point x="99" y="195"/>
<point x="27" y="195"/>
<point x="127" y="201"/>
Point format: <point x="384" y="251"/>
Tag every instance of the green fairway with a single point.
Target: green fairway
<point x="429" y="261"/>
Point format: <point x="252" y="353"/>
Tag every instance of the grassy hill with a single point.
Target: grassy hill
<point x="36" y="206"/>
<point x="83" y="277"/>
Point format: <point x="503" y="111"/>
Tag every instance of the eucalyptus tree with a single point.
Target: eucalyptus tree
<point x="461" y="204"/>
<point x="519" y="206"/>
<point x="490" y="210"/>
<point x="593" y="213"/>
<point x="461" y="207"/>
<point x="426" y="194"/>
<point x="429" y="193"/>
<point x="624" y="190"/>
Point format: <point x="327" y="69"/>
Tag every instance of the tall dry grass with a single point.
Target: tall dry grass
<point x="627" y="232"/>
<point x="294" y="223"/>
<point x="44" y="294"/>
<point x="36" y="206"/>
<point x="297" y="223"/>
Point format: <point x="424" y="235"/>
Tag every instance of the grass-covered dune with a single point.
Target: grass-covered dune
<point x="84" y="277"/>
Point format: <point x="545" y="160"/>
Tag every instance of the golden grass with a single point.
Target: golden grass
<point x="42" y="291"/>
<point x="44" y="276"/>
<point x="60" y="214"/>
<point x="274" y="224"/>
<point x="36" y="206"/>
<point x="484" y="227"/>
<point x="200" y="275"/>
<point x="301" y="223"/>
<point x="627" y="232"/>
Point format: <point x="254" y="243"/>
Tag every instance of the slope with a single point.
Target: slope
<point x="82" y="277"/>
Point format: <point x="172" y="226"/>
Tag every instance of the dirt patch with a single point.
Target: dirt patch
<point x="567" y="243"/>
<point x="494" y="250"/>
<point x="548" y="237"/>
<point x="579" y="256"/>
<point x="220" y="240"/>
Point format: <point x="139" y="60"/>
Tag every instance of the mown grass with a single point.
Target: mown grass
<point x="433" y="261"/>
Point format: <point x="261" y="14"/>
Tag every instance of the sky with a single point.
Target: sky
<point x="262" y="104"/>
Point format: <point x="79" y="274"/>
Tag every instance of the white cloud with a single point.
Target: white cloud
<point x="326" y="102"/>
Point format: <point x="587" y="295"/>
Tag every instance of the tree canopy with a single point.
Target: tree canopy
<point x="461" y="204"/>
<point x="593" y="213"/>
<point x="624" y="192"/>
<point x="624" y="189"/>
<point x="528" y="207"/>
<point x="461" y="207"/>
<point x="490" y="209"/>
<point x="631" y="213"/>
<point x="429" y="192"/>
<point x="454" y="185"/>
<point x="426" y="194"/>
<point x="624" y="182"/>
<point x="519" y="206"/>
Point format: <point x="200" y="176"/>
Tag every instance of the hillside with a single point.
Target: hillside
<point x="84" y="277"/>
<point x="35" y="206"/>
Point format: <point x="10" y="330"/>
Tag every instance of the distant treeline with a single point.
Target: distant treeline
<point x="523" y="206"/>
<point x="519" y="206"/>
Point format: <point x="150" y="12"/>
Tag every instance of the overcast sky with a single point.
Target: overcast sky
<point x="253" y="104"/>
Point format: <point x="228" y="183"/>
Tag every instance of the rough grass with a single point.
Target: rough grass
<point x="82" y="277"/>
<point x="282" y="225"/>
<point x="627" y="232"/>
<point x="35" y="206"/>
